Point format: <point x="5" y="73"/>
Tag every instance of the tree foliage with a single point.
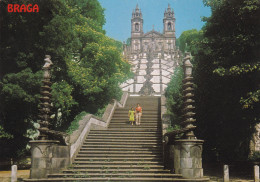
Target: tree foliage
<point x="173" y="93"/>
<point x="226" y="73"/>
<point x="189" y="40"/>
<point x="88" y="66"/>
<point x="227" y="77"/>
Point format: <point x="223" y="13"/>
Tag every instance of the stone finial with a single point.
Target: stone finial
<point x="45" y="105"/>
<point x="48" y="62"/>
<point x="188" y="109"/>
<point x="187" y="65"/>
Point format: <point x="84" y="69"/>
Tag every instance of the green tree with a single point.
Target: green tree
<point x="227" y="76"/>
<point x="128" y="41"/>
<point x="173" y="93"/>
<point x="90" y="9"/>
<point x="88" y="66"/>
<point x="27" y="38"/>
<point x="189" y="40"/>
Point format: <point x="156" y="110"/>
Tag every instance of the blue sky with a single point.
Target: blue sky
<point x="118" y="15"/>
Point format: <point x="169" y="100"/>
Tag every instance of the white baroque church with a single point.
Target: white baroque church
<point x="153" y="55"/>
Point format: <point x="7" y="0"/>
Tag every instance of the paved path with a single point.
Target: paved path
<point x="6" y="175"/>
<point x="219" y="179"/>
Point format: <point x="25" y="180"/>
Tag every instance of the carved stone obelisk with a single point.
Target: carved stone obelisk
<point x="188" y="150"/>
<point x="47" y="156"/>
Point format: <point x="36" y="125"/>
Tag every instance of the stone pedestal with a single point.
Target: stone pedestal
<point x="48" y="157"/>
<point x="188" y="158"/>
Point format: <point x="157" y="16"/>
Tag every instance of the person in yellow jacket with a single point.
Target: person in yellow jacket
<point x="131" y="115"/>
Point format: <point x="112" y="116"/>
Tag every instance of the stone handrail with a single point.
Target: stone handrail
<point x="93" y="122"/>
<point x="164" y="116"/>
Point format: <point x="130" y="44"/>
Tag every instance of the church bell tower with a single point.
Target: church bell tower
<point x="136" y="29"/>
<point x="169" y="23"/>
<point x="137" y="22"/>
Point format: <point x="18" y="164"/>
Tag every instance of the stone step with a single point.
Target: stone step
<point x="112" y="159"/>
<point x="123" y="178"/>
<point x="134" y="126"/>
<point x="122" y="143"/>
<point x="135" y="129"/>
<point x="142" y="125"/>
<point x="146" y="170"/>
<point x="119" y="156"/>
<point x="145" y="109"/>
<point x="137" y="143"/>
<point x="154" y="112"/>
<point x="121" y="147"/>
<point x="132" y="102"/>
<point x="119" y="139"/>
<point x="143" y="115"/>
<point x="133" y="146"/>
<point x="116" y="131"/>
<point x="104" y="174"/>
<point x="140" y="163"/>
<point x="127" y="121"/>
<point x="122" y="140"/>
<point x="120" y="151"/>
<point x="113" y="134"/>
<point x="126" y="118"/>
<point x="124" y="137"/>
<point x="116" y="166"/>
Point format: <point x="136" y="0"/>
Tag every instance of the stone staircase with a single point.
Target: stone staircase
<point x="123" y="152"/>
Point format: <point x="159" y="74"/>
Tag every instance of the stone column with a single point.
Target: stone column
<point x="225" y="173"/>
<point x="256" y="173"/>
<point x="161" y="83"/>
<point x="188" y="149"/>
<point x="14" y="173"/>
<point x="46" y="155"/>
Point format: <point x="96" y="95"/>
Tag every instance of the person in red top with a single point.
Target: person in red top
<point x="138" y="114"/>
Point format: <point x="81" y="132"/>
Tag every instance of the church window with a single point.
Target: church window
<point x="136" y="27"/>
<point x="169" y="26"/>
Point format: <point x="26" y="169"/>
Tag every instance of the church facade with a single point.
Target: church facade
<point x="153" y="55"/>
